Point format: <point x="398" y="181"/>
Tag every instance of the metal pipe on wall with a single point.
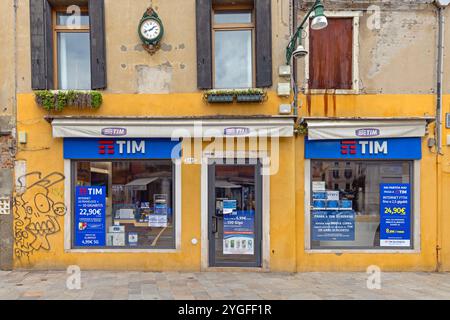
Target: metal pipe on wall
<point x="441" y="5"/>
<point x="440" y="73"/>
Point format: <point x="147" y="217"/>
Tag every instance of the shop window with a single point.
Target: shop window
<point x="233" y="33"/>
<point x="234" y="44"/>
<point x="138" y="204"/>
<point x="331" y="56"/>
<point x="72" y="65"/>
<point x="361" y="204"/>
<point x="65" y="55"/>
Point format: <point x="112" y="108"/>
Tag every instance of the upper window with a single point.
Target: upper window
<point x="68" y="49"/>
<point x="233" y="34"/>
<point x="72" y="47"/>
<point x="331" y="64"/>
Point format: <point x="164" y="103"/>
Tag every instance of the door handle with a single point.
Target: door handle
<point x="215" y="221"/>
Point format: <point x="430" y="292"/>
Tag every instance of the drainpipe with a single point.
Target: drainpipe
<point x="294" y="63"/>
<point x="441" y="5"/>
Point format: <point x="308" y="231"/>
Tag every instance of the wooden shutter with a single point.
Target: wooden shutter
<point x="98" y="50"/>
<point x="331" y="55"/>
<point x="204" y="44"/>
<point x="41" y="35"/>
<point x="263" y="21"/>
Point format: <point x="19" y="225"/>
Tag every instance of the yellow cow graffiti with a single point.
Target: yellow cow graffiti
<point x="36" y="213"/>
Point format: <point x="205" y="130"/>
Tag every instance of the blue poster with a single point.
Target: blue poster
<point x="90" y="216"/>
<point x="395" y="220"/>
<point x="238" y="232"/>
<point x="333" y="225"/>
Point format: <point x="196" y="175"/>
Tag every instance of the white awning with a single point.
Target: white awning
<point x="71" y="127"/>
<point x="226" y="185"/>
<point x="346" y="128"/>
<point x="143" y="182"/>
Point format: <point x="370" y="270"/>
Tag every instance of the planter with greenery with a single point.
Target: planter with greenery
<point x="58" y="100"/>
<point x="250" y="95"/>
<point x="219" y="96"/>
<point x="228" y="96"/>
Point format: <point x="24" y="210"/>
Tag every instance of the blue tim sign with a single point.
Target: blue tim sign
<point x="330" y="225"/>
<point x="396" y="148"/>
<point x="111" y="148"/>
<point x="395" y="220"/>
<point x="90" y="224"/>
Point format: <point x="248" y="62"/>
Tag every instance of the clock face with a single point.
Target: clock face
<point x="150" y="29"/>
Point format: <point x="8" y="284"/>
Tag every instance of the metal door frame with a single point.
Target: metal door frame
<point x="258" y="213"/>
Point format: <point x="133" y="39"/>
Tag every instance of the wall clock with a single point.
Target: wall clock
<point x="151" y="31"/>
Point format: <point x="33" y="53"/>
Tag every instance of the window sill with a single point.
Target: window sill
<point x="363" y="251"/>
<point x="122" y="251"/>
<point x="331" y="91"/>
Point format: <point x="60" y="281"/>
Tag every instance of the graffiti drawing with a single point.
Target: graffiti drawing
<point x="36" y="212"/>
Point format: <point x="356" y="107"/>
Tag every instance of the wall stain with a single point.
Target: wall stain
<point x="36" y="212"/>
<point x="334" y="103"/>
<point x="308" y="101"/>
<point x="166" y="47"/>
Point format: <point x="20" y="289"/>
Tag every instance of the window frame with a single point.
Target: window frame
<point x="415" y="213"/>
<point x="69" y="218"/>
<point x="355" y="56"/>
<point x="233" y="27"/>
<point x="64" y="29"/>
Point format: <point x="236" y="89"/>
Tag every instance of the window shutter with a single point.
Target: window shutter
<point x="98" y="52"/>
<point x="41" y="45"/>
<point x="204" y="44"/>
<point x="331" y="55"/>
<point x="263" y="21"/>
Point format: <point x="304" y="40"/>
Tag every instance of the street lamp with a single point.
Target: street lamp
<point x="319" y="22"/>
<point x="298" y="51"/>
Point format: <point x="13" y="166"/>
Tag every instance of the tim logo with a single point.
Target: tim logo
<point x="83" y="191"/>
<point x="236" y="131"/>
<point x="106" y="147"/>
<point x="368" y="132"/>
<point x="351" y="147"/>
<point x="348" y="147"/>
<point x="114" y="132"/>
<point x="109" y="147"/>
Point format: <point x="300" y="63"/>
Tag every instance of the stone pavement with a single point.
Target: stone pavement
<point x="103" y="285"/>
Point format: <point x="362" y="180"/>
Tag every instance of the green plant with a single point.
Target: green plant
<point x="58" y="100"/>
<point x="235" y="92"/>
<point x="301" y="129"/>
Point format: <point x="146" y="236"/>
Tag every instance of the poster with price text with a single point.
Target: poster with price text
<point x="395" y="215"/>
<point x="90" y="206"/>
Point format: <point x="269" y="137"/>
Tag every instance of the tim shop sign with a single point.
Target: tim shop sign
<point x="367" y="132"/>
<point x="114" y="132"/>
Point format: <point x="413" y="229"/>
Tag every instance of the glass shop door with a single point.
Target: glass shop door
<point x="235" y="214"/>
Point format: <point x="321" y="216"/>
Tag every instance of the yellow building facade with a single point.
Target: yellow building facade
<point x="157" y="94"/>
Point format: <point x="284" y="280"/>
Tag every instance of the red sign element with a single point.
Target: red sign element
<point x="83" y="191"/>
<point x="348" y="147"/>
<point x="106" y="147"/>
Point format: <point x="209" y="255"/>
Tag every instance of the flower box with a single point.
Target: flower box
<point x="222" y="98"/>
<point x="254" y="97"/>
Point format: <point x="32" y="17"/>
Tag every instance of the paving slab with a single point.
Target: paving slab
<point x="104" y="285"/>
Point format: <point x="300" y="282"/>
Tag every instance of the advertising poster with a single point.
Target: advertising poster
<point x="238" y="230"/>
<point x="159" y="218"/>
<point x="395" y="220"/>
<point x="90" y="213"/>
<point x="333" y="225"/>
